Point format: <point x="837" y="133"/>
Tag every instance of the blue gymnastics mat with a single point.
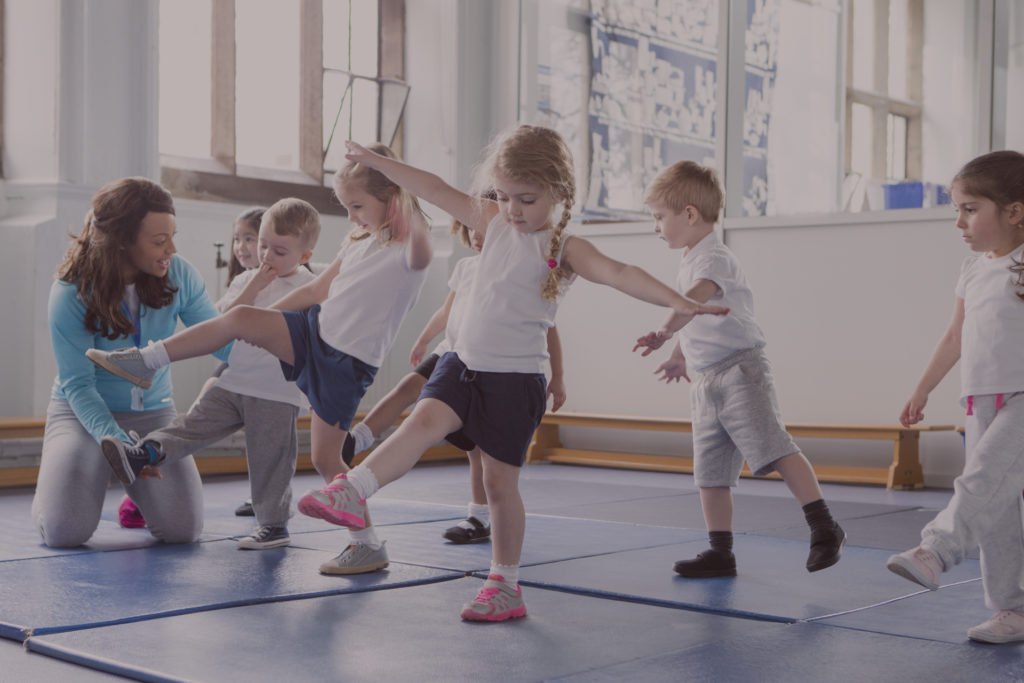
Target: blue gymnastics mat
<point x="407" y="634"/>
<point x="810" y="652"/>
<point x="772" y="583"/>
<point x="548" y="539"/>
<point x="943" y="615"/>
<point x="751" y="513"/>
<point x="86" y="590"/>
<point x="18" y="665"/>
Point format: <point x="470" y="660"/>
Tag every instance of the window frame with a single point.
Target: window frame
<point x="220" y="177"/>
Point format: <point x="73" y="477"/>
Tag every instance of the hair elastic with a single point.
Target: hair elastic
<point x="552" y="263"/>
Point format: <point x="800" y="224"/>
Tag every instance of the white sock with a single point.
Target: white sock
<point x="363" y="480"/>
<point x="364" y="438"/>
<point x="481" y="512"/>
<point x="509" y="572"/>
<point x="155" y="355"/>
<point x="367" y="536"/>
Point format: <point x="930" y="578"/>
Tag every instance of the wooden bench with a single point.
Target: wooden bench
<point x="225" y="461"/>
<point x="904" y="472"/>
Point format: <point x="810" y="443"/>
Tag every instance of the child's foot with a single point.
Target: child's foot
<point x="917" y="565"/>
<point x="469" y="530"/>
<point x="129" y="516"/>
<point x="826" y="546"/>
<point x="357" y="558"/>
<point x="245" y="509"/>
<point x="337" y="503"/>
<point x="128" y="460"/>
<point x="125" y="363"/>
<point x="708" y="564"/>
<point x="1006" y="626"/>
<point x="265" y="537"/>
<point x="497" y="601"/>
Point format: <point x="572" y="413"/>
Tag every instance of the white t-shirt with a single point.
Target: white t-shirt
<point x="708" y="339"/>
<point x="505" y="320"/>
<point x="368" y="299"/>
<point x="991" y="353"/>
<point x="252" y="371"/>
<point x="460" y="282"/>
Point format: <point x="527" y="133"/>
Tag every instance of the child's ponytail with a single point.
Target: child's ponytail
<point x="553" y="282"/>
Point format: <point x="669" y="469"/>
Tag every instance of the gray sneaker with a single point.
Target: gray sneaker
<point x="129" y="459"/>
<point x="357" y="558"/>
<point x="125" y="363"/>
<point x="265" y="537"/>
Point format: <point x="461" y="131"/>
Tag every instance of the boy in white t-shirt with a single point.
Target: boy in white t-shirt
<point x="735" y="413"/>
<point x="251" y="392"/>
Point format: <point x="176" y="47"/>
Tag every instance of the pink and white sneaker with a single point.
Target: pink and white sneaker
<point x="498" y="600"/>
<point x="337" y="503"/>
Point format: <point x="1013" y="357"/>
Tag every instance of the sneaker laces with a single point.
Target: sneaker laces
<point x="486" y="594"/>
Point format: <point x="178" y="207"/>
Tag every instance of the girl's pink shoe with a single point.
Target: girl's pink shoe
<point x="129" y="515"/>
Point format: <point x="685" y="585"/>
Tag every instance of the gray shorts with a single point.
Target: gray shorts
<point x="735" y="418"/>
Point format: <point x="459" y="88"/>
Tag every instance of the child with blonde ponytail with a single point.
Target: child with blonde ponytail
<point x="492" y="386"/>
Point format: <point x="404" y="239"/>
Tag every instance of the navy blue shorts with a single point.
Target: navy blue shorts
<point x="458" y="439"/>
<point x="333" y="381"/>
<point x="500" y="411"/>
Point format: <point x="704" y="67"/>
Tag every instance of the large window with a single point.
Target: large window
<point x="258" y="97"/>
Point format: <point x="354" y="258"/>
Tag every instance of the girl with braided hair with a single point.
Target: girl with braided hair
<point x="492" y="386"/>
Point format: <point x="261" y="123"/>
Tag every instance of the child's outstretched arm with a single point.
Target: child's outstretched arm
<point x="701" y="293"/>
<point x="589" y="263"/>
<point x="473" y="213"/>
<point x="434" y="327"/>
<point x="945" y="356"/>
<point x="311" y="293"/>
<point x="556" y="387"/>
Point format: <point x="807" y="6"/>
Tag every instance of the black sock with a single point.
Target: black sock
<point x="817" y="515"/>
<point x="721" y="540"/>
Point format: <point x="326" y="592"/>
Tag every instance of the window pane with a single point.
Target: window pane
<point x="185" y="53"/>
<point x="364" y="38"/>
<point x="336" y="33"/>
<point x="364" y="110"/>
<point x="860" y="146"/>
<point x="896" y="147"/>
<point x="267" y="83"/>
<point x="899" y="44"/>
<point x="1014" y="82"/>
<point x="862" y="45"/>
<point x="337" y="112"/>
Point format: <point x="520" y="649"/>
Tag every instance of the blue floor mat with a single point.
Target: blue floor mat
<point x="548" y="539"/>
<point x="408" y="634"/>
<point x="751" y="513"/>
<point x="943" y="615"/>
<point x="811" y="652"/>
<point x="772" y="583"/>
<point x="76" y="591"/>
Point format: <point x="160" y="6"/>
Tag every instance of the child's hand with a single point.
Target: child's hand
<point x="556" y="390"/>
<point x="689" y="307"/>
<point x="913" y="412"/>
<point x="416" y="355"/>
<point x="652" y="341"/>
<point x="150" y="472"/>
<point x="264" y="276"/>
<point x="359" y="154"/>
<point x="672" y="369"/>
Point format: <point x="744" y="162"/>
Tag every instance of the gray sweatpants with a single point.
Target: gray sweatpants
<point x="74" y="475"/>
<point x="986" y="509"/>
<point x="271" y="444"/>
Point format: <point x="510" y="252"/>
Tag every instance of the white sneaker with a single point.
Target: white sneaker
<point x="1006" y="626"/>
<point x="917" y="565"/>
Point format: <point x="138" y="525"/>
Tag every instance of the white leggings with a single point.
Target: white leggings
<point x="74" y="475"/>
<point x="986" y="508"/>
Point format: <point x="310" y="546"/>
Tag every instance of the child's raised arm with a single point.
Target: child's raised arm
<point x="945" y="356"/>
<point x="475" y="214"/>
<point x="418" y="251"/>
<point x="311" y="293"/>
<point x="591" y="264"/>
<point x="434" y="327"/>
<point x="701" y="293"/>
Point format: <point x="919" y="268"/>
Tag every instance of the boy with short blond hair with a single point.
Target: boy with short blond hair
<point x="735" y="412"/>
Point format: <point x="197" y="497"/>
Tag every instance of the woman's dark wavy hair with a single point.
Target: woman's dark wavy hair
<point x="999" y="177"/>
<point x="95" y="262"/>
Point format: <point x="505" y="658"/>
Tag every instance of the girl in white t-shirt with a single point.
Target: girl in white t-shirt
<point x="476" y="528"/>
<point x="986" y="335"/>
<point x="492" y="385"/>
<point x="332" y="334"/>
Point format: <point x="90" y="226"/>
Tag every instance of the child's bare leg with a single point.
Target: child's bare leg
<point x="431" y="420"/>
<point x="325" y="447"/>
<point x="508" y="516"/>
<point x="827" y="537"/>
<point x="478" y="492"/>
<point x="476" y="527"/>
<point x="716" y="504"/>
<point x="799" y="476"/>
<point x="263" y="327"/>
<point x="389" y="408"/>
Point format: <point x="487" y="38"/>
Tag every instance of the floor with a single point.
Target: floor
<point x="604" y="604"/>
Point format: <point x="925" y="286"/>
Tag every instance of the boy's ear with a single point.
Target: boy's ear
<point x="306" y="255"/>
<point x="1016" y="213"/>
<point x="692" y="214"/>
